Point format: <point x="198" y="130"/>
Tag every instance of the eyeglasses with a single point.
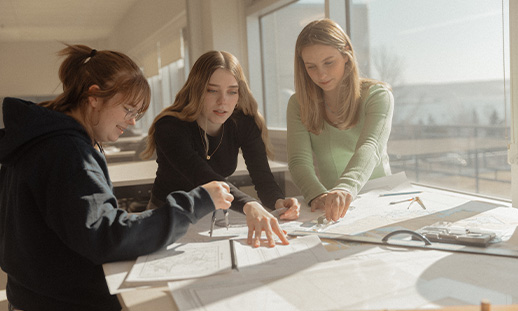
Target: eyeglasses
<point x="133" y="114"/>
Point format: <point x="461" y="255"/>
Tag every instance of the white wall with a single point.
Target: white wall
<point x="31" y="68"/>
<point x="150" y="27"/>
<point x="217" y="25"/>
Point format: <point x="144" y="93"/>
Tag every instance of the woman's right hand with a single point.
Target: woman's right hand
<point x="219" y="193"/>
<point x="334" y="203"/>
<point x="319" y="202"/>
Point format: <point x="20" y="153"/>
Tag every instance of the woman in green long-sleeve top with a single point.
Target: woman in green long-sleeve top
<point x="342" y="120"/>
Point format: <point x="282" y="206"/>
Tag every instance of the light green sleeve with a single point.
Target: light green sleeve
<point x="300" y="155"/>
<point x="371" y="148"/>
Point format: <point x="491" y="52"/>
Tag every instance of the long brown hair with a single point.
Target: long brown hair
<point x="309" y="95"/>
<point x="188" y="103"/>
<point x="114" y="73"/>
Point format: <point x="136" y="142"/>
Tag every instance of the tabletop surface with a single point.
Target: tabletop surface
<point x="368" y="276"/>
<point x="144" y="172"/>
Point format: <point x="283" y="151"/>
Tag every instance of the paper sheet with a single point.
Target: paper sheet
<point x="183" y="261"/>
<point x="299" y="254"/>
<point x="256" y="265"/>
<point x="367" y="278"/>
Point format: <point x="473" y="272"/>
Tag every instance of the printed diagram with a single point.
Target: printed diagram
<point x="173" y="262"/>
<point x="182" y="262"/>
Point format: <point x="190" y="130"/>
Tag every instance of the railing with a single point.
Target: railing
<point x="466" y="157"/>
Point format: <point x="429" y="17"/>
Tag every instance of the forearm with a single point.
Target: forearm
<point x="300" y="155"/>
<point x="240" y="198"/>
<point x="371" y="146"/>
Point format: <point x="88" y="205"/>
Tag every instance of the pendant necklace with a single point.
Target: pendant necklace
<point x="205" y="143"/>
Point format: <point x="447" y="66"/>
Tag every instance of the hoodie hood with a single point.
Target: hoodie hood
<point x="27" y="123"/>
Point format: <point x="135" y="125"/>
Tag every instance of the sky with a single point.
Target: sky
<point x="442" y="40"/>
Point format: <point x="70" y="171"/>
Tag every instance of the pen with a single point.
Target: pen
<point x="225" y="212"/>
<point x="398" y="193"/>
<point x="212" y="223"/>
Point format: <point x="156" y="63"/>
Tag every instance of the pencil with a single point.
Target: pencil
<point x="398" y="193"/>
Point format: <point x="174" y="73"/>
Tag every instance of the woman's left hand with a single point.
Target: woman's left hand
<point x="293" y="206"/>
<point x="258" y="220"/>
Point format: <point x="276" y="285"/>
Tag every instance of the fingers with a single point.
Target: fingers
<point x="318" y="203"/>
<point x="259" y="220"/>
<point x="255" y="231"/>
<point x="291" y="214"/>
<point x="282" y="235"/>
<point x="225" y="185"/>
<point x="257" y="238"/>
<point x="220" y="194"/>
<point x="293" y="211"/>
<point x="348" y="201"/>
<point x="269" y="233"/>
<point x="336" y="204"/>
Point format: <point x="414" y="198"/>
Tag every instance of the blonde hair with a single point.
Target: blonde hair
<point x="114" y="73"/>
<point x="188" y="103"/>
<point x="309" y="95"/>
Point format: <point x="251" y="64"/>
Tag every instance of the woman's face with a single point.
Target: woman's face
<point x="325" y="65"/>
<point x="221" y="97"/>
<point x="114" y="117"/>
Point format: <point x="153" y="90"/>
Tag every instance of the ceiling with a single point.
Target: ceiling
<point x="60" y="20"/>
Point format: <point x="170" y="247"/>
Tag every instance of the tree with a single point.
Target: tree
<point x="388" y="65"/>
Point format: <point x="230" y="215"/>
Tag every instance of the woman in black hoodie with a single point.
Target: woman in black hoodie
<point x="59" y="220"/>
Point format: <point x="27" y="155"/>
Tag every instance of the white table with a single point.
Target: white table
<point x="414" y="275"/>
<point x="135" y="179"/>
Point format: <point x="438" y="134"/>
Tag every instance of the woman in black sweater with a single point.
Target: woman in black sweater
<point x="198" y="139"/>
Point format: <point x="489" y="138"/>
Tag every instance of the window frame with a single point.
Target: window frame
<point x="256" y="72"/>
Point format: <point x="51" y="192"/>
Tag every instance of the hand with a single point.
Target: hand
<point x="318" y="202"/>
<point x="258" y="220"/>
<point x="336" y="204"/>
<point x="293" y="206"/>
<point x="219" y="193"/>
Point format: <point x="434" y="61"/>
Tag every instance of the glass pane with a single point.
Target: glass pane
<point x="279" y="31"/>
<point x="445" y="62"/>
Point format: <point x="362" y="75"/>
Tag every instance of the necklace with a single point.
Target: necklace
<point x="205" y="143"/>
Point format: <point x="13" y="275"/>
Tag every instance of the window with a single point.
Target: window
<point x="164" y="87"/>
<point x="448" y="64"/>
<point x="279" y="31"/>
<point x="444" y="60"/>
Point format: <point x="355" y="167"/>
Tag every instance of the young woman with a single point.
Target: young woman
<point x="59" y="220"/>
<point x="340" y="118"/>
<point x="199" y="137"/>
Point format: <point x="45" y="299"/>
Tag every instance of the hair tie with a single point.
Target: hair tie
<point x="92" y="54"/>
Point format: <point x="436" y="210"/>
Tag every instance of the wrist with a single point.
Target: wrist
<point x="248" y="207"/>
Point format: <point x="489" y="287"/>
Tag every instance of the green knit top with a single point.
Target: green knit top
<point x="345" y="159"/>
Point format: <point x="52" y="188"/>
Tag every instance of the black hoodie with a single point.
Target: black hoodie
<point x="59" y="220"/>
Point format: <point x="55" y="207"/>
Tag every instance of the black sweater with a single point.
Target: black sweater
<point x="182" y="163"/>
<point x="59" y="220"/>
